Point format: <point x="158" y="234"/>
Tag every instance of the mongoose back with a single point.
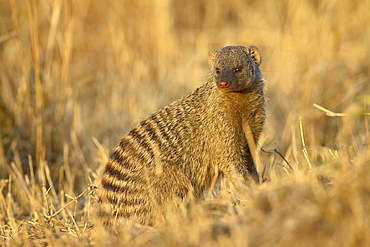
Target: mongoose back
<point x="180" y="150"/>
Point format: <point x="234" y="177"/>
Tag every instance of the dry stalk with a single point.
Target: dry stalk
<point x="335" y="114"/>
<point x="89" y="189"/>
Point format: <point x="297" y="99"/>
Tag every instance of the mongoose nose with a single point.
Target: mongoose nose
<point x="223" y="84"/>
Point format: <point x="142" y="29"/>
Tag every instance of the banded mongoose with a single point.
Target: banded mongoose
<point x="180" y="150"/>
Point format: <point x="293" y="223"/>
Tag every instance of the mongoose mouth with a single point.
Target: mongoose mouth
<point x="225" y="86"/>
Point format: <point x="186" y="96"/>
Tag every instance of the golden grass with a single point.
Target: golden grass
<point x="74" y="76"/>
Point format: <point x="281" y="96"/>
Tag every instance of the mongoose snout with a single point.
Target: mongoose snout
<point x="223" y="84"/>
<point x="181" y="150"/>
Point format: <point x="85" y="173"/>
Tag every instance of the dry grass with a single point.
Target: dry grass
<point x="74" y="76"/>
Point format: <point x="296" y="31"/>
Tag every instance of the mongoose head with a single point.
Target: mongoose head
<point x="235" y="68"/>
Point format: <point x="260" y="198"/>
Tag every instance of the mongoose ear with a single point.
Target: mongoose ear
<point x="255" y="54"/>
<point x="211" y="58"/>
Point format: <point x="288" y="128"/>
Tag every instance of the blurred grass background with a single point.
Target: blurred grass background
<point x="77" y="75"/>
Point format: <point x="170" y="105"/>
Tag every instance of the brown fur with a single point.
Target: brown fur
<point x="180" y="150"/>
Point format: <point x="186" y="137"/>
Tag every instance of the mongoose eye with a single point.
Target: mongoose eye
<point x="218" y="71"/>
<point x="238" y="70"/>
